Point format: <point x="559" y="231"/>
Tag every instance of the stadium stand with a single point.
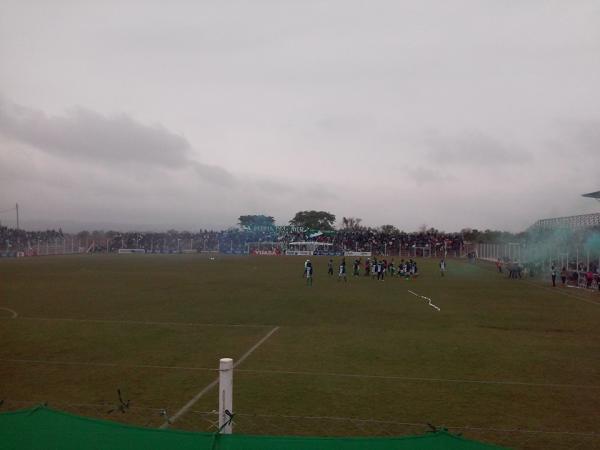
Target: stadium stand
<point x="569" y="222"/>
<point x="232" y="241"/>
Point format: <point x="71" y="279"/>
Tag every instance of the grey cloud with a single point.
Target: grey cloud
<point x="214" y="174"/>
<point x="579" y="138"/>
<point x="472" y="149"/>
<point x="88" y="136"/>
<point x="283" y="103"/>
<point x="425" y="175"/>
<point x="321" y="192"/>
<point x="273" y="187"/>
<point x="344" y="123"/>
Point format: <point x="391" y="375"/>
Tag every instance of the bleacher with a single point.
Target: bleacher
<point x="569" y="222"/>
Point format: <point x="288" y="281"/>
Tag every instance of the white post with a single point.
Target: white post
<point x="225" y="394"/>
<point x="588" y="260"/>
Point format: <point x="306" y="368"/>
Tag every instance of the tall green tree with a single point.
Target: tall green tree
<point x="254" y="220"/>
<point x="316" y="220"/>
<point x="388" y="229"/>
<point x="351" y="223"/>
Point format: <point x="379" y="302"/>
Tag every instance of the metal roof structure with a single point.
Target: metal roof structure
<point x="570" y="222"/>
<point x="595" y="195"/>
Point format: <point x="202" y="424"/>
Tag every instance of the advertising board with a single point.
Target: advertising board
<point x="298" y="253"/>
<point x="357" y="253"/>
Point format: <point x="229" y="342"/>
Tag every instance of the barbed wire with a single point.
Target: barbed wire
<point x="128" y="412"/>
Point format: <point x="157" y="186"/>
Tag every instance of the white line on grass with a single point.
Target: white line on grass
<point x="101" y="364"/>
<point x="423" y="379"/>
<point x="425" y="298"/>
<point x="308" y="373"/>
<point x="12" y="311"/>
<point x="560" y="291"/>
<point x="139" y="322"/>
<point x="391" y="422"/>
<point x="200" y="394"/>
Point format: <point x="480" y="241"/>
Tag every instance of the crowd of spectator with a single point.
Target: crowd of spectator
<point x="13" y="240"/>
<point x="389" y="242"/>
<point x="238" y="240"/>
<point x="234" y="240"/>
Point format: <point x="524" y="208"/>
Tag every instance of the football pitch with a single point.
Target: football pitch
<point x="513" y="362"/>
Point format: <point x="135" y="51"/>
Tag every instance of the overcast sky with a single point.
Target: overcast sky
<point x="140" y="114"/>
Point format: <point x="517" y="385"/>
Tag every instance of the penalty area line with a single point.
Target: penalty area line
<point x="12" y="311"/>
<point x="212" y="384"/>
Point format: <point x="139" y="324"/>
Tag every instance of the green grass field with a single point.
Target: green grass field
<point x="513" y="362"/>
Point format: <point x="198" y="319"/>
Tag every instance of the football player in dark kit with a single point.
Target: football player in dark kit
<point x="330" y="267"/>
<point x="342" y="273"/>
<point x="356" y="268"/>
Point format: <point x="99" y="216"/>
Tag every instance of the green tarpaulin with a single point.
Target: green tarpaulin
<point x="42" y="428"/>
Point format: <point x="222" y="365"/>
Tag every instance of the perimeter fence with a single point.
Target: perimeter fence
<point x="298" y="425"/>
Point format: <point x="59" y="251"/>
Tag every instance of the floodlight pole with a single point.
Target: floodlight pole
<point x="588" y="260"/>
<point x="225" y="395"/>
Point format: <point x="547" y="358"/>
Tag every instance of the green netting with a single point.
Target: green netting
<point x="44" y="428"/>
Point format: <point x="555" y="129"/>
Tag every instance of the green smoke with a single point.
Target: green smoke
<point x="592" y="244"/>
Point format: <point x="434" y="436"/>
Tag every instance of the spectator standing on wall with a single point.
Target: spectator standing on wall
<point x="563" y="275"/>
<point x="589" y="279"/>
